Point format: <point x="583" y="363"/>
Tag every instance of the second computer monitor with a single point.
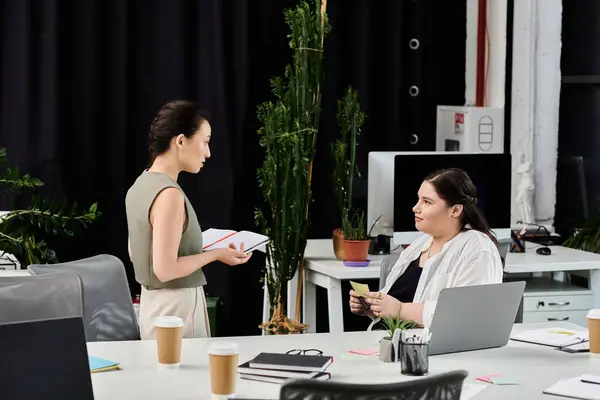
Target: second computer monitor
<point x="491" y="174"/>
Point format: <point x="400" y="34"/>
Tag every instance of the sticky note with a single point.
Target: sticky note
<point x="353" y="357"/>
<point x="503" y="380"/>
<point x="364" y="352"/>
<point x="360" y="288"/>
<point x="487" y="378"/>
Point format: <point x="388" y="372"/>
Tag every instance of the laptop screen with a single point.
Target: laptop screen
<point x="44" y="360"/>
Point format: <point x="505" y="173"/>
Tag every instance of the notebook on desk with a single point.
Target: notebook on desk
<point x="584" y="387"/>
<point x="98" y="364"/>
<point x="291" y="362"/>
<point x="320" y="376"/>
<point x="554" y="337"/>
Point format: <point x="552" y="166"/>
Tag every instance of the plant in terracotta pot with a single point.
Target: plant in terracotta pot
<point x="356" y="238"/>
<point x="343" y="150"/>
<point x="391" y="325"/>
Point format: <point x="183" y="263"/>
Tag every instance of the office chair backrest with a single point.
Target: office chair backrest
<point x="108" y="308"/>
<point x="31" y="298"/>
<point x="446" y="386"/>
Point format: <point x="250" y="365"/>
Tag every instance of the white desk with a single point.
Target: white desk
<point x="324" y="270"/>
<point x="535" y="367"/>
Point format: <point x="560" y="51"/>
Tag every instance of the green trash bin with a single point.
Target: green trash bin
<point x="212" y="306"/>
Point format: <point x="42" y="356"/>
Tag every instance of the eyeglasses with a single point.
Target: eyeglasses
<point x="305" y="352"/>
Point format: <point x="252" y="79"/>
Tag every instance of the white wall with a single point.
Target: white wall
<point x="548" y="83"/>
<point x="535" y="99"/>
<point x="535" y="88"/>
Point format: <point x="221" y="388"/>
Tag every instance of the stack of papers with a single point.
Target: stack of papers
<point x="278" y="368"/>
<point x="585" y="387"/>
<point x="556" y="337"/>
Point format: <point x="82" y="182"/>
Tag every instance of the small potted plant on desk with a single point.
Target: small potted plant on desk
<point x="386" y="345"/>
<point x="356" y="240"/>
<point x="350" y="120"/>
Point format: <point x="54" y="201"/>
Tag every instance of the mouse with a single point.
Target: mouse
<point x="544" y="251"/>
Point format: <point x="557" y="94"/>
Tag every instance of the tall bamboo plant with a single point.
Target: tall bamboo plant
<point x="288" y="136"/>
<point x="350" y="120"/>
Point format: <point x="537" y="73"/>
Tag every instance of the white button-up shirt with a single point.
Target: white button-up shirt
<point x="468" y="259"/>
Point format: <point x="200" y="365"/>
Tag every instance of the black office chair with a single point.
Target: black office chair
<point x="446" y="386"/>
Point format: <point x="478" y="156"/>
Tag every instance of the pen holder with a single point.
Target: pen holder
<point x="414" y="359"/>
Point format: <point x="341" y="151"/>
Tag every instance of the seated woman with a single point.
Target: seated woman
<point x="457" y="249"/>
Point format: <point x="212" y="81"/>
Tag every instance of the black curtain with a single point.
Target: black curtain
<point x="81" y="80"/>
<point x="578" y="172"/>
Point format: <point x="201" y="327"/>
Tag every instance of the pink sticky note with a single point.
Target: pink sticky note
<point x="487" y="378"/>
<point x="364" y="352"/>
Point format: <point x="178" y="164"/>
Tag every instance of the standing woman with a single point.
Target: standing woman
<point x="165" y="238"/>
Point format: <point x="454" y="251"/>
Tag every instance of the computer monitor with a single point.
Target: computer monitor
<point x="491" y="174"/>
<point x="380" y="182"/>
<point x="380" y="192"/>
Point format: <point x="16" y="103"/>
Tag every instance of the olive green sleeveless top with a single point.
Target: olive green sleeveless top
<point x="138" y="203"/>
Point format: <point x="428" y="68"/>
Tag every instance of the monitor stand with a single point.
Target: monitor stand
<point x="379" y="245"/>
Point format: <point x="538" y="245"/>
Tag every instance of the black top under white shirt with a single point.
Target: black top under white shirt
<point x="406" y="285"/>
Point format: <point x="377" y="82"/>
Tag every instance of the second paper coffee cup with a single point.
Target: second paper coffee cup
<point x="594" y="330"/>
<point x="169" y="333"/>
<point x="223" y="362"/>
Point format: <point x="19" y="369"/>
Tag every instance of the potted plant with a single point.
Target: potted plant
<point x="24" y="231"/>
<point x="356" y="238"/>
<point x="288" y="136"/>
<point x="343" y="150"/>
<point x="386" y="346"/>
<point x="586" y="237"/>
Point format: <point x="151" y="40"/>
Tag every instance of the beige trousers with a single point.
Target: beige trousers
<point x="189" y="304"/>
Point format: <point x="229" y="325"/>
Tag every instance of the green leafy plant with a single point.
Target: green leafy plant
<point x="354" y="226"/>
<point x="24" y="231"/>
<point x="350" y="120"/>
<point x="392" y="324"/>
<point x="288" y="136"/>
<point x="587" y="237"/>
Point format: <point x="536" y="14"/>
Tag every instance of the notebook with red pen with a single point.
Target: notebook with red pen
<point x="220" y="238"/>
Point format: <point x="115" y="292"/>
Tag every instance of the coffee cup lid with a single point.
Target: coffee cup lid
<point x="168" y="322"/>
<point x="594" y="314"/>
<point x="223" y="348"/>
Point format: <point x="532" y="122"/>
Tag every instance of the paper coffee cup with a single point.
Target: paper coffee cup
<point x="223" y="363"/>
<point x="169" y="332"/>
<point x="594" y="330"/>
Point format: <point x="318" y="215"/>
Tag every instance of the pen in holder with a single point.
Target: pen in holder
<point x="414" y="353"/>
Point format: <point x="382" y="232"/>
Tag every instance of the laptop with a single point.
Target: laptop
<point x="475" y="317"/>
<point x="45" y="359"/>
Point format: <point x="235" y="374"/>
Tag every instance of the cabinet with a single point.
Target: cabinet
<point x="547" y="300"/>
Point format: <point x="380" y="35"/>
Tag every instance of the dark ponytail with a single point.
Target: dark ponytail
<point x="174" y="118"/>
<point x="455" y="187"/>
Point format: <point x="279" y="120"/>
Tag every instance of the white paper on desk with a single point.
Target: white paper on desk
<point x="552" y="336"/>
<point x="575" y="389"/>
<point x="470" y="390"/>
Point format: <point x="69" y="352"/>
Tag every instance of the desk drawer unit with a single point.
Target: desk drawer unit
<point x="571" y="307"/>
